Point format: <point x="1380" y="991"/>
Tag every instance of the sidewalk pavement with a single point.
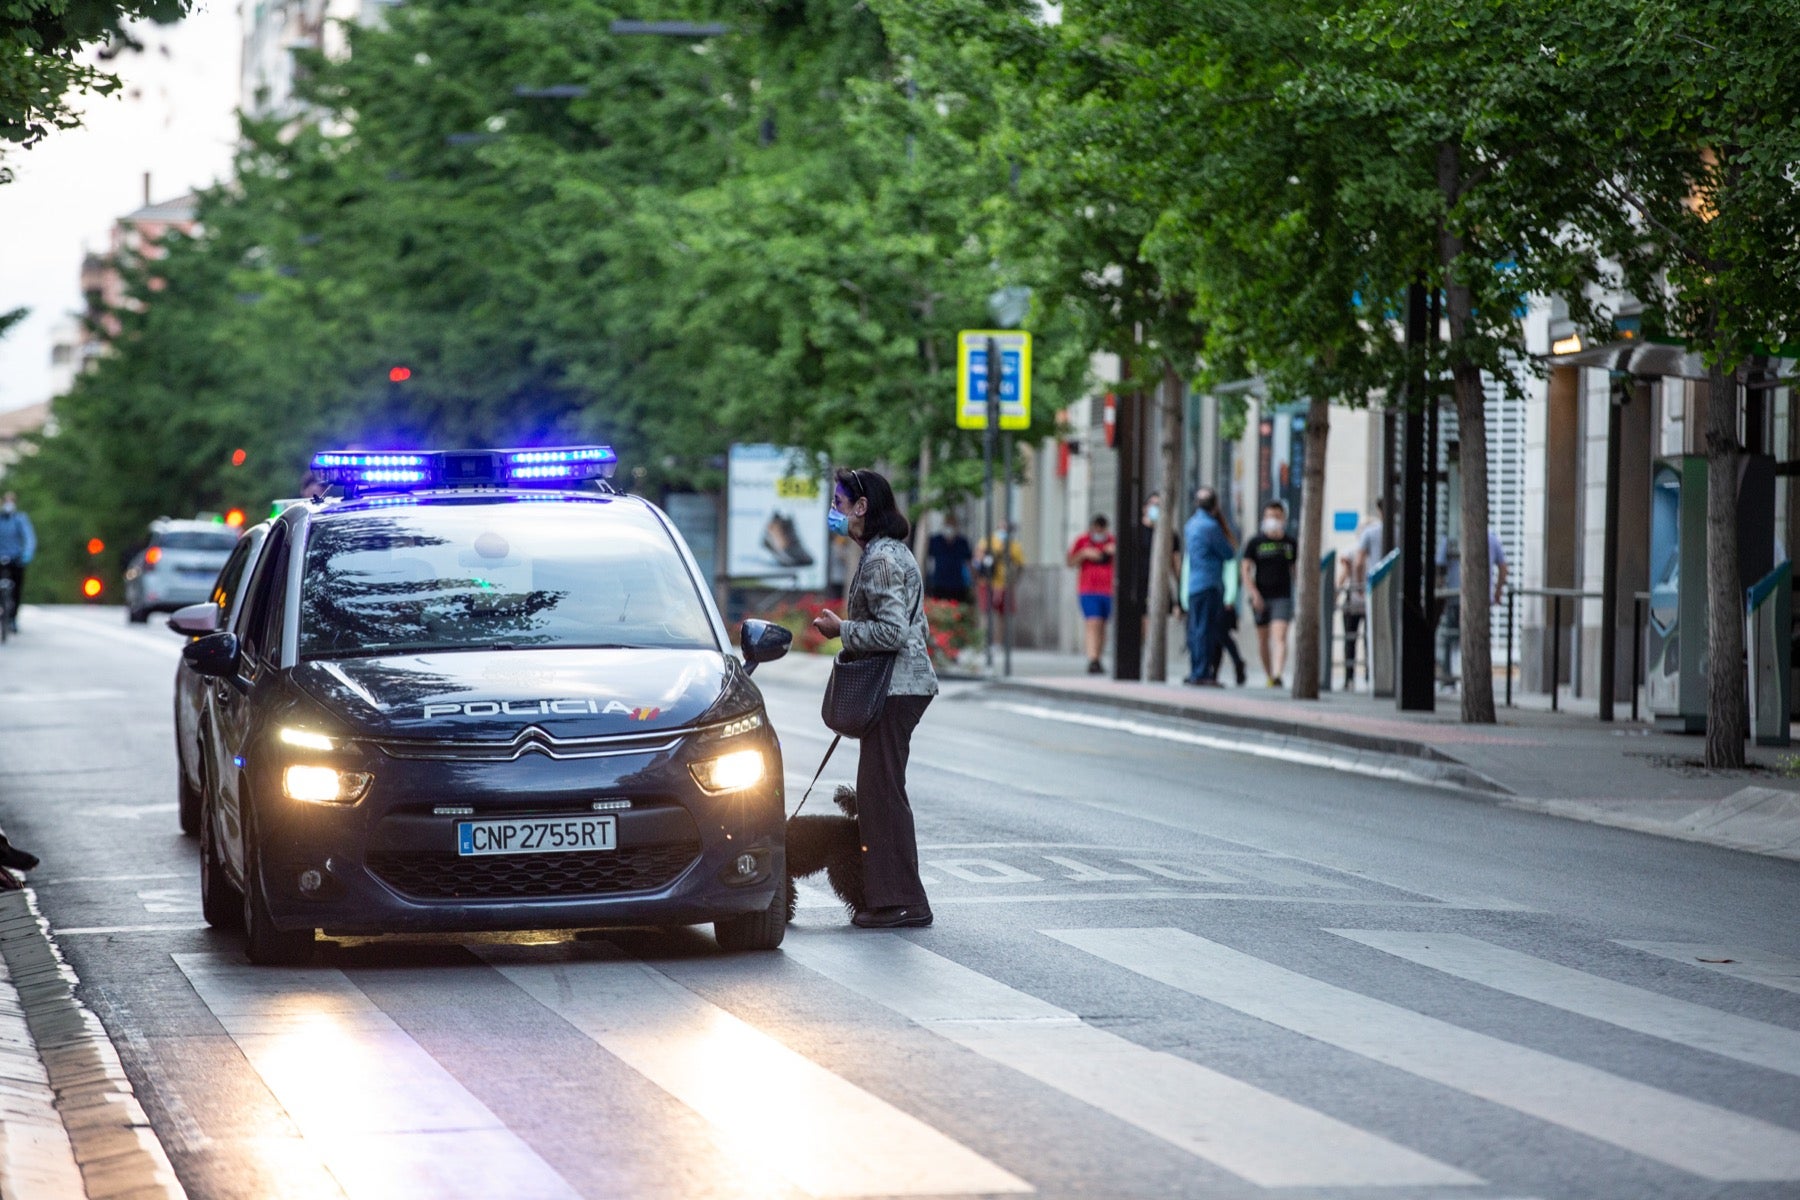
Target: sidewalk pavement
<point x="1566" y="763"/>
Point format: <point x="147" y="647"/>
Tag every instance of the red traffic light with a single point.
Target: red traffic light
<point x="399" y="374"/>
<point x="238" y="456"/>
<point x="95" y="545"/>
<point x="235" y="518"/>
<point x="91" y="587"/>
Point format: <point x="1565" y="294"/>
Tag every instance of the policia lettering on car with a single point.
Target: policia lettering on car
<point x="533" y="708"/>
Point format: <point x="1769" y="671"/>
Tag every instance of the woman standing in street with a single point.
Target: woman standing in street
<point x="885" y="614"/>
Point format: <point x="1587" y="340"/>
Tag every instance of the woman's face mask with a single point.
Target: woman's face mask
<point x="837" y="522"/>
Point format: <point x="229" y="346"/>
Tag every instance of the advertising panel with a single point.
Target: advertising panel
<point x="775" y="527"/>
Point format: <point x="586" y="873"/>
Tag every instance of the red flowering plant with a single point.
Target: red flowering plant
<point x="954" y="629"/>
<point x="796" y="613"/>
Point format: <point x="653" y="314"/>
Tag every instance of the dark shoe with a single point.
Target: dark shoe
<point x="1094" y="668"/>
<point x="1207" y="683"/>
<point x="900" y="916"/>
<point x="1243" y="676"/>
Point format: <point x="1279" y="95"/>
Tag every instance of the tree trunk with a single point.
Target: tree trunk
<point x="1162" y="542"/>
<point x="1309" y="640"/>
<point x="1727" y="708"/>
<point x="1471" y="420"/>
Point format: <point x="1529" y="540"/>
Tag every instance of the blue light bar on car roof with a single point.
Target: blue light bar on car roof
<point x="359" y="471"/>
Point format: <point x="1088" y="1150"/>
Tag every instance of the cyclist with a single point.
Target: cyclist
<point x="18" y="543"/>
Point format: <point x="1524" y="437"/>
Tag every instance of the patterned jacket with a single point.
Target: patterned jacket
<point x="885" y="613"/>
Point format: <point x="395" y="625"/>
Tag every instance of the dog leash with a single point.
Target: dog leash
<point x="829" y="750"/>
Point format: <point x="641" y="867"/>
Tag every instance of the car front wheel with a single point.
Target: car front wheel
<point x="221" y="904"/>
<point x="264" y="944"/>
<point x="758" y="930"/>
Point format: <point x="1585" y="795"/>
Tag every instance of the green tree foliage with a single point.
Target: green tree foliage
<point x="43" y="63"/>
<point x="562" y="233"/>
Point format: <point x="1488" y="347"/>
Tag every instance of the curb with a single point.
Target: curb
<point x="72" y="1126"/>
<point x="1386" y="758"/>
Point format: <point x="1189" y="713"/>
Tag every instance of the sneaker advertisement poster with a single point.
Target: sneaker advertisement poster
<point x="776" y="516"/>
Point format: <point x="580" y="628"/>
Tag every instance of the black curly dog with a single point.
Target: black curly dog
<point x="829" y="843"/>
<point x="17" y="860"/>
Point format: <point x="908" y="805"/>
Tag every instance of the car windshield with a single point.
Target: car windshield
<point x="500" y="575"/>
<point x="198" y="539"/>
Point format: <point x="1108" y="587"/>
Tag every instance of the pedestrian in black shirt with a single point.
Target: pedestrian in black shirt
<point x="949" y="555"/>
<point x="1269" y="579"/>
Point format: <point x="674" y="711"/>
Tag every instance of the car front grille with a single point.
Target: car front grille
<point x="441" y="876"/>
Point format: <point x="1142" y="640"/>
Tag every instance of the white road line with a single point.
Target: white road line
<point x="1739" y="962"/>
<point x="383" y="1116"/>
<point x="168" y="647"/>
<point x="1342" y="762"/>
<point x="1695" y="1025"/>
<point x="86" y="929"/>
<point x="1686" y="1134"/>
<point x="60" y="697"/>
<point x="43" y="883"/>
<point x="768" y="1104"/>
<point x="1262" y="1137"/>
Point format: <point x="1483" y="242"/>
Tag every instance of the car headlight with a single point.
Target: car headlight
<point x="730" y="772"/>
<point x="306" y="739"/>
<point x="325" y="785"/>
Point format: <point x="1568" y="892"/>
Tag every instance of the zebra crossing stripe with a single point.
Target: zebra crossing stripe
<point x="1686" y="1134"/>
<point x="1634" y="1008"/>
<point x="1264" y="1138"/>
<point x="767" y="1103"/>
<point x="1755" y="966"/>
<point x="384" y="1117"/>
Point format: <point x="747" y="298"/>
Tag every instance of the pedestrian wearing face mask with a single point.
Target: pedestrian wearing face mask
<point x="1269" y="581"/>
<point x="18" y="546"/>
<point x="884" y="614"/>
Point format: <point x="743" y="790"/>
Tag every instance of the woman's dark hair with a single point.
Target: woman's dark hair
<point x="884" y="518"/>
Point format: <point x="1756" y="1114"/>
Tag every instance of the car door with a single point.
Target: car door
<point x="192" y="688"/>
<point x="232" y="702"/>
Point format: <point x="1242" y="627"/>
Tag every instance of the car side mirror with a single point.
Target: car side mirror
<point x="196" y="620"/>
<point x="763" y="641"/>
<point x="216" y="655"/>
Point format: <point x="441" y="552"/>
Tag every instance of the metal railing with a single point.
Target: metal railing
<point x="1556" y="596"/>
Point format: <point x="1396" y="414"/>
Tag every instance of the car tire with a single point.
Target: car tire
<point x="187" y="800"/>
<point x="758" y="930"/>
<point x="137" y="616"/>
<point x="264" y="944"/>
<point x="221" y="904"/>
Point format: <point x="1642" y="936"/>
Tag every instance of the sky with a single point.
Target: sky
<point x="174" y="117"/>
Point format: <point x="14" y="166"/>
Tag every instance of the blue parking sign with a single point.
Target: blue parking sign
<point x="972" y="378"/>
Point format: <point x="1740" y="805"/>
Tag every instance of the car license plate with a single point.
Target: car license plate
<point x="537" y="835"/>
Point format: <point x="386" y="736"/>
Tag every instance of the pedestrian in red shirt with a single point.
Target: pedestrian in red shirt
<point x="1092" y="554"/>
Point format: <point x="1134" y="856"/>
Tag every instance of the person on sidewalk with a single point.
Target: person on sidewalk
<point x="1353" y="590"/>
<point x="18" y="545"/>
<point x="951" y="560"/>
<point x="1449" y="632"/>
<point x="1208" y="546"/>
<point x="1092" y="556"/>
<point x="997" y="557"/>
<point x="884" y="614"/>
<point x="1269" y="580"/>
<point x="1228" y="645"/>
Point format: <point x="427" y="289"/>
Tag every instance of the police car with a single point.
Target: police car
<point x="481" y="691"/>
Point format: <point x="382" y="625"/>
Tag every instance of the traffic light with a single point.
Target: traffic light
<point x="238" y="456"/>
<point x="235" y="518"/>
<point x="91" y="587"/>
<point x="95" y="546"/>
<point x="399" y="374"/>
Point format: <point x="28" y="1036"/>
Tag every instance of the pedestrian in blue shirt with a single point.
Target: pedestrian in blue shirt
<point x="1208" y="544"/>
<point x="18" y="545"/>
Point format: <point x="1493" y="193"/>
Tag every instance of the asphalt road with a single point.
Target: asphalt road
<point x="1158" y="970"/>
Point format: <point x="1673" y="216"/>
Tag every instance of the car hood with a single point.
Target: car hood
<point x="496" y="695"/>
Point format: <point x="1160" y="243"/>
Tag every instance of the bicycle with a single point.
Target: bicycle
<point x="9" y="600"/>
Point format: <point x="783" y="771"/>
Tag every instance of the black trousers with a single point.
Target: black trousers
<point x="883" y="815"/>
<point x="1353" y="623"/>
